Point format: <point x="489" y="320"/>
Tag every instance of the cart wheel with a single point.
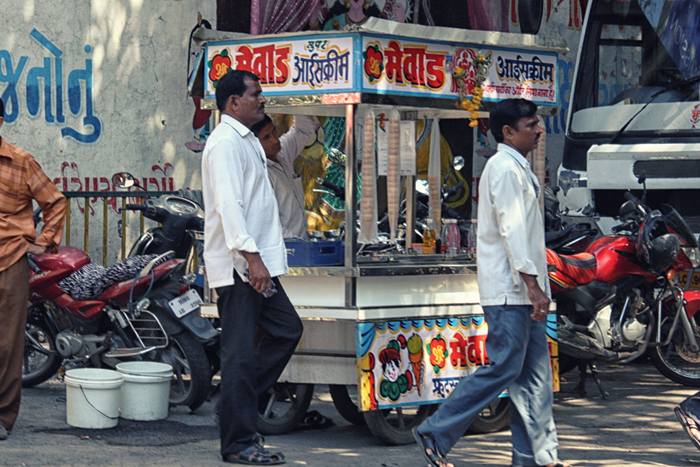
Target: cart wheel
<point x="345" y="405"/>
<point x="495" y="417"/>
<point x="286" y="407"/>
<point x="393" y="426"/>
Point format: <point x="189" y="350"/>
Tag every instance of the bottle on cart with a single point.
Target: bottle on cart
<point x="429" y="238"/>
<point x="471" y="239"/>
<point x="451" y="236"/>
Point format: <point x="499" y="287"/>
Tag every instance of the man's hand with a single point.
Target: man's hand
<point x="35" y="249"/>
<point x="259" y="275"/>
<point x="540" y="301"/>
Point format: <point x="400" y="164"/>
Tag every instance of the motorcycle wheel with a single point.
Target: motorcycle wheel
<point x="38" y="366"/>
<point x="286" y="407"/>
<point x="677" y="361"/>
<point x="393" y="426"/>
<point x="191" y="373"/>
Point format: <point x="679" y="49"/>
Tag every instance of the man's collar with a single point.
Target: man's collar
<point x="514" y="153"/>
<point x="238" y="126"/>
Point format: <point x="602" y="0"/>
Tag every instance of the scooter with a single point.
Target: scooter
<point x="82" y="314"/>
<point x="622" y="295"/>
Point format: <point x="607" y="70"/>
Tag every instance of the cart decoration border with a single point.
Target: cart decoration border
<point x="385" y="64"/>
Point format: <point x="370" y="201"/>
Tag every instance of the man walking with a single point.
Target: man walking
<point x="245" y="254"/>
<point x="514" y="294"/>
<point x="281" y="153"/>
<point x="21" y="181"/>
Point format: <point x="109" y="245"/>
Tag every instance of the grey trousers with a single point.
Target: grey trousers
<point x="519" y="361"/>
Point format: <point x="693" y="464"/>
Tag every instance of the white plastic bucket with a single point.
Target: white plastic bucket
<point x="92" y="397"/>
<point x="146" y="390"/>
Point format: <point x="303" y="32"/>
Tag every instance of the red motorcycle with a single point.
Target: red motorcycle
<point x="622" y="295"/>
<point x="142" y="308"/>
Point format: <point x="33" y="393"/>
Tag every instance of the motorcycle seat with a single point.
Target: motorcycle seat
<point x="580" y="268"/>
<point x="92" y="280"/>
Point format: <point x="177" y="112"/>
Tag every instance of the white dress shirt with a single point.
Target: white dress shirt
<point x="510" y="233"/>
<point x="286" y="183"/>
<point x="241" y="208"/>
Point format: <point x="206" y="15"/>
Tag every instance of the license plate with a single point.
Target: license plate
<point x="694" y="280"/>
<point x="185" y="303"/>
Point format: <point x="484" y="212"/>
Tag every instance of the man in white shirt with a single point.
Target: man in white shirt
<point x="515" y="297"/>
<point x="245" y="254"/>
<point x="281" y="153"/>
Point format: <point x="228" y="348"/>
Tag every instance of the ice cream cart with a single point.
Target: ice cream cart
<point x="391" y="332"/>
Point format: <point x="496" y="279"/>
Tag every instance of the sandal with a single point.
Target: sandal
<point x="255" y="455"/>
<point x="314" y="420"/>
<point x="688" y="425"/>
<point x="427" y="443"/>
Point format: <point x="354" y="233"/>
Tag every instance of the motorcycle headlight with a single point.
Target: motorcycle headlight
<point x="693" y="255"/>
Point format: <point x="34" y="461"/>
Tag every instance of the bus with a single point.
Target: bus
<point x="634" y="109"/>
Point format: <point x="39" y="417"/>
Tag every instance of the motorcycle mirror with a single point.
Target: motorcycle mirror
<point x="123" y="180"/>
<point x="422" y="186"/>
<point x="627" y="208"/>
<point x="642" y="177"/>
<point x="458" y="163"/>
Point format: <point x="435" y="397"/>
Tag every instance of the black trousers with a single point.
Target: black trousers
<point x="246" y="371"/>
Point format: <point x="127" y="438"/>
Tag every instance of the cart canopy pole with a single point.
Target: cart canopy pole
<point x="350" y="202"/>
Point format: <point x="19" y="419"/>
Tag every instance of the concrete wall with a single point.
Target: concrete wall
<point x="92" y="87"/>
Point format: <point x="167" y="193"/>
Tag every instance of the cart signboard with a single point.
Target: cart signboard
<point x="357" y="62"/>
<point x="415" y="362"/>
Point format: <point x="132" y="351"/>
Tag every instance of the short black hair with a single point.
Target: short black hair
<point x="509" y="112"/>
<point x="2" y="108"/>
<point x="258" y="127"/>
<point x="233" y="83"/>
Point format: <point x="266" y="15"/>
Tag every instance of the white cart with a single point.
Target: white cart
<point x="392" y="334"/>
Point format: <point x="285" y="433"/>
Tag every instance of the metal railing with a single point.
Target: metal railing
<point x="89" y="200"/>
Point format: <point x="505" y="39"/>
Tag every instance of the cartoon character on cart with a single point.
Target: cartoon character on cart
<point x="394" y="383"/>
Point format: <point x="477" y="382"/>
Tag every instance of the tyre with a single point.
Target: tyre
<point x="285" y="408"/>
<point x="677" y="361"/>
<point x="191" y="371"/>
<point x="495" y="417"/>
<point x="345" y="405"/>
<point x="38" y="365"/>
<point x="393" y="426"/>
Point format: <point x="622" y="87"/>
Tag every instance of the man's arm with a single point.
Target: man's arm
<point x="295" y="139"/>
<point x="540" y="300"/>
<point x="53" y="206"/>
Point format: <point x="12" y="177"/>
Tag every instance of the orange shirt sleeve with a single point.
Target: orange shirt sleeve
<point x="52" y="203"/>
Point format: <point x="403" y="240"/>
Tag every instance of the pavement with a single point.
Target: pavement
<point x="634" y="427"/>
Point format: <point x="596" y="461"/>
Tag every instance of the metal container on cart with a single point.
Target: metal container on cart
<point x="392" y="334"/>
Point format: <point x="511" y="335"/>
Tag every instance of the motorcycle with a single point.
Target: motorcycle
<point x="83" y="314"/>
<point x="622" y="295"/>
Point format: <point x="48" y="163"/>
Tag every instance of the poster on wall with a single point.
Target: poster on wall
<point x="415" y="362"/>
